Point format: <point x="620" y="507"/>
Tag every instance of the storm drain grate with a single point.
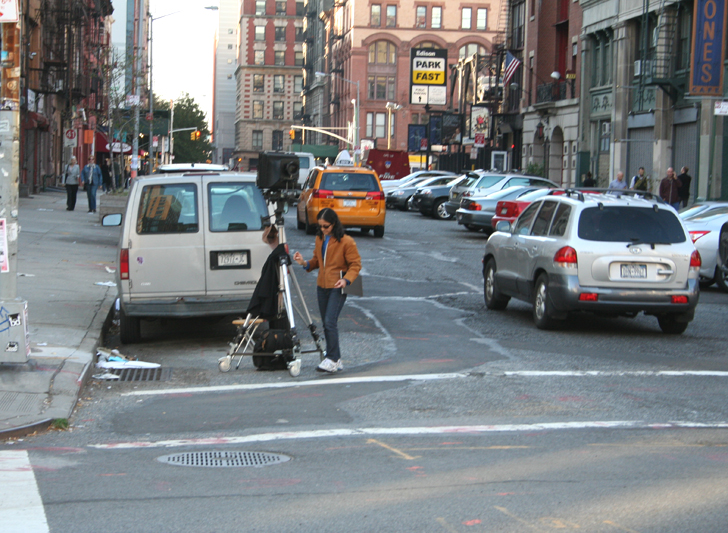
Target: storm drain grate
<point x="224" y="459"/>
<point x="142" y="374"/>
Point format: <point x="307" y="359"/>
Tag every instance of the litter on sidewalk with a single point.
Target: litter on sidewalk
<point x="113" y="359"/>
<point x="105" y="377"/>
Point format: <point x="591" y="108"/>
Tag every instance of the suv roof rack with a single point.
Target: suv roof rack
<point x="579" y="193"/>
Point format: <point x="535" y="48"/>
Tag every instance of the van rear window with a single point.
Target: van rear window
<point x="236" y="207"/>
<point x="630" y="224"/>
<point x="344" y="181"/>
<point x="168" y="209"/>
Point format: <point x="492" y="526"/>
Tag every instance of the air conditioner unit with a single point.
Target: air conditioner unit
<point x="642" y="68"/>
<point x="58" y="86"/>
<point x="606" y="128"/>
<point x="637" y="68"/>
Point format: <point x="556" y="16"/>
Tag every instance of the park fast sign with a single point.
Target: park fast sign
<point x="428" y="76"/>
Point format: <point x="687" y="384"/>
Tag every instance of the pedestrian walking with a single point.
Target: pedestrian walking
<point x="684" y="178"/>
<point x="107" y="185"/>
<point x="337" y="258"/>
<point x="640" y="182"/>
<point x="618" y="182"/>
<point x="670" y="189"/>
<point x="72" y="179"/>
<point x="92" y="179"/>
<point x="589" y="181"/>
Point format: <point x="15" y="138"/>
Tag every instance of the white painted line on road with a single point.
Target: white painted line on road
<point x="409" y="431"/>
<point x="609" y="373"/>
<point x="292" y="384"/>
<point x="21" y="508"/>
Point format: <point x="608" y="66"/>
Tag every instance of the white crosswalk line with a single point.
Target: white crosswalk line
<point x="21" y="508"/>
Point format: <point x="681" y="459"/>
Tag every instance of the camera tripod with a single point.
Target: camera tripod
<point x="285" y="348"/>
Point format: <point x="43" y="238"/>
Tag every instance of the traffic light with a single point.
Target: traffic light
<point x="198" y="133"/>
<point x="192" y="135"/>
<point x="292" y="134"/>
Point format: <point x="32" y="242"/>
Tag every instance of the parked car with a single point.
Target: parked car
<point x="476" y="213"/>
<point x="419" y="174"/>
<point x="510" y="209"/>
<point x="703" y="207"/>
<point x="191" y="245"/>
<point x="400" y="196"/>
<point x="704" y="229"/>
<point x="429" y="199"/>
<point x="481" y="183"/>
<point x="353" y="192"/>
<point x="615" y="255"/>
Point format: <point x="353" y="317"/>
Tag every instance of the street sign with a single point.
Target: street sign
<point x="721" y="108"/>
<point x="479" y="141"/>
<point x="149" y="117"/>
<point x="132" y="100"/>
<point x="428" y="76"/>
<point x="155" y="141"/>
<point x="9" y="11"/>
<point x="70" y="138"/>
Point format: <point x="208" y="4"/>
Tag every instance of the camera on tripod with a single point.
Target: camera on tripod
<point x="277" y="171"/>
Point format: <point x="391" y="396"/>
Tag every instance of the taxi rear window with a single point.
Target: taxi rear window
<point x="344" y="181"/>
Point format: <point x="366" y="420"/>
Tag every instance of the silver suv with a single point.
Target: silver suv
<point x="616" y="254"/>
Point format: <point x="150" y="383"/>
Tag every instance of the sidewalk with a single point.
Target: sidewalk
<point x="62" y="255"/>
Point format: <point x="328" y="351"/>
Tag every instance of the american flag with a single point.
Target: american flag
<point x="512" y="64"/>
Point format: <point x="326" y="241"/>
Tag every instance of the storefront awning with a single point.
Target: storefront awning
<point x="104" y="147"/>
<point x="318" y="150"/>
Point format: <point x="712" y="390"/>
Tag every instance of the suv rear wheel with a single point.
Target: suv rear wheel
<point x="494" y="299"/>
<point x="670" y="325"/>
<point x="542" y="308"/>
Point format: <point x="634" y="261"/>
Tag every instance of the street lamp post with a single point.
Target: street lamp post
<point x="357" y="104"/>
<point x="391" y="107"/>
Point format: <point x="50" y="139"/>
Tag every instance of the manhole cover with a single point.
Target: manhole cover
<point x="224" y="459"/>
<point x="142" y="374"/>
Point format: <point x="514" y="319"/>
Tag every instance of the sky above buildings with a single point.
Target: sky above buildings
<point x="183" y="41"/>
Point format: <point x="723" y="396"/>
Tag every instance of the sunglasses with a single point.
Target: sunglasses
<point x="324" y="226"/>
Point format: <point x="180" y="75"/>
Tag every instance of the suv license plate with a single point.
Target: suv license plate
<point x="349" y="203"/>
<point x="634" y="271"/>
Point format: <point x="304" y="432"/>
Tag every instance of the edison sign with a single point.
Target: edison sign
<point x="428" y="81"/>
<point x="708" y="53"/>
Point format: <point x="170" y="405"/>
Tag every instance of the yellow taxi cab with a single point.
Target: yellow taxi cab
<point x="355" y="193"/>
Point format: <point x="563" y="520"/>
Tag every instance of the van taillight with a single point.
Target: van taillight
<point x="323" y="193"/>
<point x="124" y="263"/>
<point x="566" y="257"/>
<point x="695" y="260"/>
<point x="375" y="195"/>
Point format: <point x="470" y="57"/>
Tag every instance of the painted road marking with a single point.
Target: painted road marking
<point x="21" y="508"/>
<point x="395" y="450"/>
<point x="410" y="431"/>
<point x="612" y="373"/>
<point x="289" y="384"/>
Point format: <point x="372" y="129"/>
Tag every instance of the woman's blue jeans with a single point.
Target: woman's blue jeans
<point x="331" y="301"/>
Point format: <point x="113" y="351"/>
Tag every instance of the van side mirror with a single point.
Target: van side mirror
<point x="113" y="219"/>
<point x="503" y="225"/>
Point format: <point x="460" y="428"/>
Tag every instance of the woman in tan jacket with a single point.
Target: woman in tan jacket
<point x="335" y="254"/>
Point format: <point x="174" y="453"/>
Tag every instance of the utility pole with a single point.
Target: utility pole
<point x="137" y="89"/>
<point x="14" y="345"/>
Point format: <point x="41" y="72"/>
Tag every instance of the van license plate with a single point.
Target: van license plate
<point x="231" y="259"/>
<point x="349" y="203"/>
<point x="634" y="271"/>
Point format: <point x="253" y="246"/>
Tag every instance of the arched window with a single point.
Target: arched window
<point x="382" y="53"/>
<point x="470" y="49"/>
<point x="428" y="44"/>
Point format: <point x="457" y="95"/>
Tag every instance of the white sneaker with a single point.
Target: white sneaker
<point x="339" y="366"/>
<point x="327" y="365"/>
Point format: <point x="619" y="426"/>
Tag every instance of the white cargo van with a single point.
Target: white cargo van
<point x="307" y="162"/>
<point x="191" y="245"/>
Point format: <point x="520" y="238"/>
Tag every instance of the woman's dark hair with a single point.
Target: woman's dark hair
<point x="330" y="216"/>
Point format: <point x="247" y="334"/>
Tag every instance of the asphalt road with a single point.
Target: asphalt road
<point x="448" y="417"/>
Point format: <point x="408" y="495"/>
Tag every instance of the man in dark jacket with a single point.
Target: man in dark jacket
<point x="670" y="189"/>
<point x="684" y="180"/>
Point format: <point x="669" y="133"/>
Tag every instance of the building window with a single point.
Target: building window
<point x="684" y="27"/>
<point x="230" y="47"/>
<point x="277" y="140"/>
<point x="601" y="73"/>
<point x="380" y="128"/>
<point x="300" y="9"/>
<point x="381" y="87"/>
<point x="297" y="110"/>
<point x="382" y="53"/>
<point x="257" y="109"/>
<point x="280" y="57"/>
<point x="277" y="110"/>
<point x="230" y="76"/>
<point x="279" y="83"/>
<point x="421" y="20"/>
<point x="370" y="125"/>
<point x="280" y="8"/>
<point x="376" y="15"/>
<point x="604" y="135"/>
<point x="280" y="34"/>
<point x="231" y="31"/>
<point x="299" y="34"/>
<point x="427" y="44"/>
<point x="391" y="16"/>
<point x="230" y="61"/>
<point x="470" y="49"/>
<point x="260" y="33"/>
<point x="298" y="59"/>
<point x="436" y="15"/>
<point x="467" y="16"/>
<point x="518" y="20"/>
<point x="258" y="83"/>
<point x="297" y="84"/>
<point x="257" y="140"/>
<point x="259" y="58"/>
<point x="482" y="20"/>
<point x="260" y="7"/>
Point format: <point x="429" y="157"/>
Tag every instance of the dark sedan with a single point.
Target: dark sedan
<point x="429" y="199"/>
<point x="399" y="196"/>
<point x="476" y="213"/>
